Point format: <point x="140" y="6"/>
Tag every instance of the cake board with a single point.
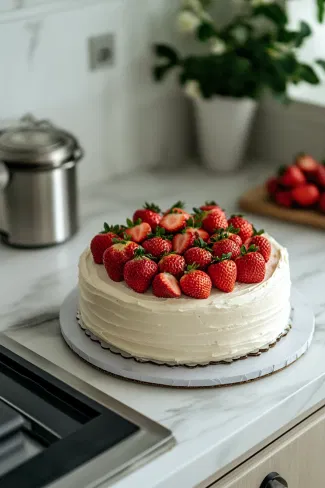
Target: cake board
<point x="284" y="353"/>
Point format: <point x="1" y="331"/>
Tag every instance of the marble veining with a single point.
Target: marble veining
<point x="212" y="427"/>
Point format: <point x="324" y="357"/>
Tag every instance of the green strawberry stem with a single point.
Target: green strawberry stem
<point x="251" y="248"/>
<point x="191" y="267"/>
<point x="258" y="232"/>
<point x="152" y="206"/>
<point x="224" y="257"/>
<point x="131" y="224"/>
<point x="178" y="204"/>
<point x="212" y="202"/>
<point x="110" y="228"/>
<point x="160" y="232"/>
<point x="199" y="242"/>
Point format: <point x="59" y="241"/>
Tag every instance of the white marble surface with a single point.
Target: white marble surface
<point x="212" y="427"/>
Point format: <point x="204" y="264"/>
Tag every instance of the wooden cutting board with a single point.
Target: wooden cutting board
<point x="256" y="201"/>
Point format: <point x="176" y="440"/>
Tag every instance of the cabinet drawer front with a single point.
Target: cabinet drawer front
<point x="298" y="456"/>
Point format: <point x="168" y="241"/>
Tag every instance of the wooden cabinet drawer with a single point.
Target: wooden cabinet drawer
<point x="298" y="456"/>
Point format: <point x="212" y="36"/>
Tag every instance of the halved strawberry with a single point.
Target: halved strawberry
<point x="138" y="231"/>
<point x="173" y="222"/>
<point x="193" y="226"/>
<point x="165" y="285"/>
<point x="306" y="163"/>
<point x="182" y="242"/>
<point x="178" y="207"/>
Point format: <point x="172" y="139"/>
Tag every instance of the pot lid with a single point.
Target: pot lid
<point x="37" y="143"/>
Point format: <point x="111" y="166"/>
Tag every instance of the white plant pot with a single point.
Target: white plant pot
<point x="223" y="127"/>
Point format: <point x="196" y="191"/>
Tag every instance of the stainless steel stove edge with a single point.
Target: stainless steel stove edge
<point x="103" y="471"/>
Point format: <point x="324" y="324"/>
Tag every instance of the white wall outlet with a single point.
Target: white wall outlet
<point x="101" y="51"/>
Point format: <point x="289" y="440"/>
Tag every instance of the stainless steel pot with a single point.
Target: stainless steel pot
<point x="38" y="187"/>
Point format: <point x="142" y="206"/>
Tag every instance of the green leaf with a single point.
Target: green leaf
<point x="205" y="31"/>
<point x="304" y="32"/>
<point x="273" y="12"/>
<point x="164" y="51"/>
<point x="320" y="10"/>
<point x="308" y="74"/>
<point x="321" y="63"/>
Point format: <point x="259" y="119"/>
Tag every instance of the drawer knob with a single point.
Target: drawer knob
<point x="274" y="480"/>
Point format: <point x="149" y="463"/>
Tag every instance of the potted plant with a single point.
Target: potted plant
<point x="254" y="54"/>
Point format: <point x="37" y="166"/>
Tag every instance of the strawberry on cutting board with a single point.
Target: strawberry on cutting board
<point x="138" y="231"/>
<point x="283" y="198"/>
<point x="223" y="273"/>
<point x="196" y="283"/>
<point x="251" y="267"/>
<point x="172" y="263"/>
<point x="140" y="271"/>
<point x="291" y="176"/>
<point x="150" y="213"/>
<point x="103" y="241"/>
<point x="165" y="285"/>
<point x="306" y="163"/>
<point x="305" y="195"/>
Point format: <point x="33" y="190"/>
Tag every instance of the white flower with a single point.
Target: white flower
<point x="240" y="34"/>
<point x="194" y="5"/>
<point x="218" y="46"/>
<point x="187" y="22"/>
<point x="257" y="3"/>
<point x="192" y="89"/>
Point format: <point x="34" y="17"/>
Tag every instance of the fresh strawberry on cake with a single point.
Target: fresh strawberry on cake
<point x="185" y="287"/>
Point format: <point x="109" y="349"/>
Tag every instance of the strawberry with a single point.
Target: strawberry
<point x="262" y="243"/>
<point x="291" y="176"/>
<point x="173" y="264"/>
<point x="196" y="283"/>
<point x="173" y="222"/>
<point x="139" y="272"/>
<point x="320" y="176"/>
<point x="210" y="206"/>
<point x="150" y="213"/>
<point x="283" y="198"/>
<point x="322" y="203"/>
<point x="306" y="163"/>
<point x="199" y="255"/>
<point x="245" y="227"/>
<point x="193" y="226"/>
<point x="272" y="185"/>
<point x="182" y="242"/>
<point x="306" y="195"/>
<point x="229" y="233"/>
<point x="225" y="246"/>
<point x="116" y="256"/>
<point x="178" y="207"/>
<point x="251" y="266"/>
<point x="214" y="221"/>
<point x="138" y="231"/>
<point x="165" y="285"/>
<point x="103" y="241"/>
<point x="157" y="243"/>
<point x="223" y="273"/>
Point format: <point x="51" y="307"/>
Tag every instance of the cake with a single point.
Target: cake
<point x="246" y="309"/>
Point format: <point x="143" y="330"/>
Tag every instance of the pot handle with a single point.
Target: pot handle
<point x="4" y="176"/>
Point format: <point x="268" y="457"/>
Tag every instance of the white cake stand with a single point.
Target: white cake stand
<point x="284" y="353"/>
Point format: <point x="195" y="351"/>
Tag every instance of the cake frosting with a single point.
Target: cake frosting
<point x="184" y="330"/>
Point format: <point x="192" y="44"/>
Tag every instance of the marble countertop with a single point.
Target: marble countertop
<point x="212" y="427"/>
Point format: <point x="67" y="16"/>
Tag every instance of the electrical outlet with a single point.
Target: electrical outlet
<point x="101" y="51"/>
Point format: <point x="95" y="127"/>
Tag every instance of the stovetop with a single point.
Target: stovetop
<point x="57" y="431"/>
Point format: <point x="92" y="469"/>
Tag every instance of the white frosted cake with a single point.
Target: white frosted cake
<point x="184" y="329"/>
